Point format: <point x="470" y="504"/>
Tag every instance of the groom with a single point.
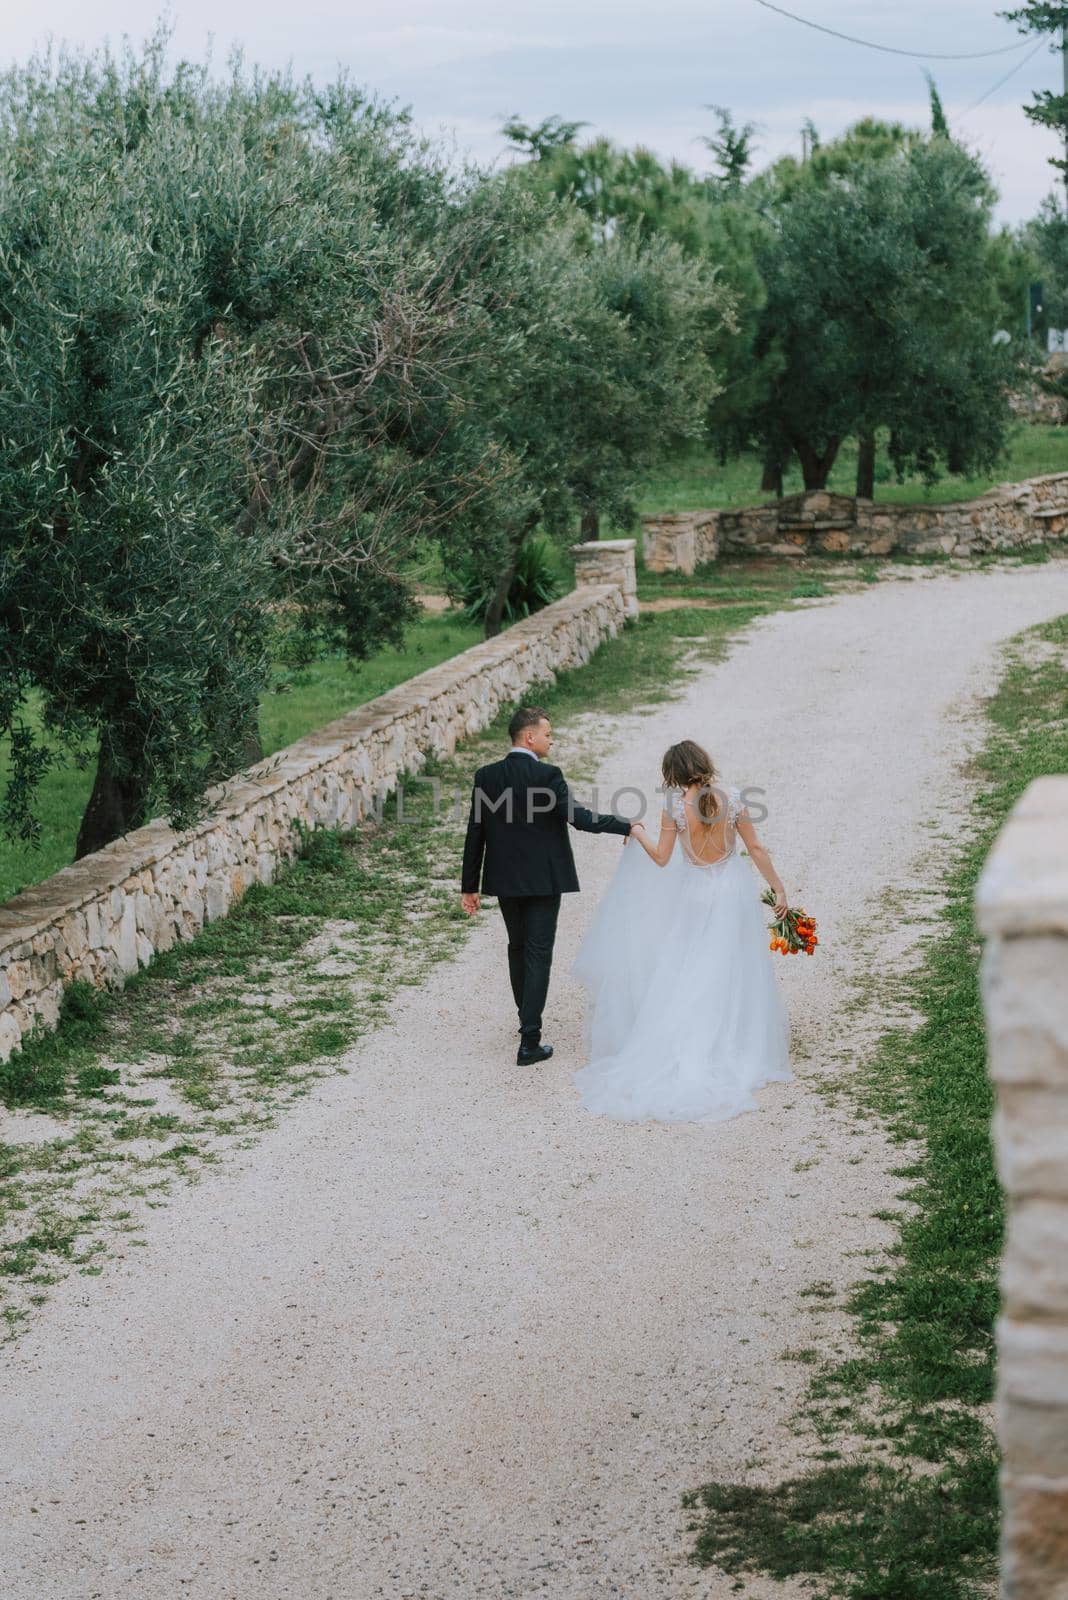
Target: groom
<point x="520" y="809"/>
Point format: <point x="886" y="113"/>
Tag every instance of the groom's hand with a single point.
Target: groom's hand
<point x="470" y="903"/>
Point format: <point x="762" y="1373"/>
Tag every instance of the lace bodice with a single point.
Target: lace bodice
<point x="675" y="805"/>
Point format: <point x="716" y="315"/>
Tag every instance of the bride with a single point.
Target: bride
<point x="685" y="1018"/>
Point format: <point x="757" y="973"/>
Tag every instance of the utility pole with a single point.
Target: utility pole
<point x="1064" y="68"/>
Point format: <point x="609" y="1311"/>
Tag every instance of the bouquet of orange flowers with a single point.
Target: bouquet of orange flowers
<point x="792" y="933"/>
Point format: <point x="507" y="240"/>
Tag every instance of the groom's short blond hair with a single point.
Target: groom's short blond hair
<point x="525" y="717"/>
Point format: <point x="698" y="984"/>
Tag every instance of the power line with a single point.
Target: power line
<point x="889" y="49"/>
<point x="996" y="86"/>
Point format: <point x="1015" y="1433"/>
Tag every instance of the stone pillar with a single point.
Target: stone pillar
<point x="705" y="536"/>
<point x="608" y="561"/>
<point x="1022" y="907"/>
<point x="669" y="543"/>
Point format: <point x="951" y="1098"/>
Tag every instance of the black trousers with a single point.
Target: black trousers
<point x="531" y="923"/>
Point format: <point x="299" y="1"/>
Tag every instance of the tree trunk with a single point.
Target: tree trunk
<point x="771" y="477"/>
<point x="816" y="464"/>
<point x="251" y="744"/>
<point x="591" y="524"/>
<point x="495" y="609"/>
<point x="116" y="805"/>
<point x="242" y="749"/>
<point x="866" y="464"/>
<point x="955" y="457"/>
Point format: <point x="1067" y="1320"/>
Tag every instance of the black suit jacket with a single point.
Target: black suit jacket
<point x="517" y="829"/>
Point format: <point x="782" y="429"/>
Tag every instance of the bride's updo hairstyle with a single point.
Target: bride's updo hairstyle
<point x="687" y="763"/>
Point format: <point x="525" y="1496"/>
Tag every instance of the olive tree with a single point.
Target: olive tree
<point x="881" y="308"/>
<point x="258" y="346"/>
<point x="226" y="340"/>
<point x="595" y="362"/>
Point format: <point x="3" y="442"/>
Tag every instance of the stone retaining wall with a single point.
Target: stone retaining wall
<point x="108" y="914"/>
<point x="1011" y="516"/>
<point x="1022" y="907"/>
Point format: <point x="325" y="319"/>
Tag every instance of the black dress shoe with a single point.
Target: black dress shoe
<point x="530" y="1055"/>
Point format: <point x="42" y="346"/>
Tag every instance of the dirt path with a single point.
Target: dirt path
<point x="443" y="1334"/>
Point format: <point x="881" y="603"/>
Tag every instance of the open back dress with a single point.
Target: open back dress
<point x="685" y="1018"/>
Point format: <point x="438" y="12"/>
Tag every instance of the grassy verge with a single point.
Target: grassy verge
<point x="913" y="1513"/>
<point x="139" y="1090"/>
<point x="744" y="581"/>
<point x="696" y="480"/>
<point x="762" y="581"/>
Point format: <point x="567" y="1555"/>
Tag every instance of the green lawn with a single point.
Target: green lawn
<point x="302" y="702"/>
<point x="696" y="480"/>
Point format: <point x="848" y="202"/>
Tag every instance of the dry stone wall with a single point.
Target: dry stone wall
<point x="1012" y="516"/>
<point x="107" y="915"/>
<point x="1022" y="907"/>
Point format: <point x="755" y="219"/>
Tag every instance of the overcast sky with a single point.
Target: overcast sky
<point x="639" y="73"/>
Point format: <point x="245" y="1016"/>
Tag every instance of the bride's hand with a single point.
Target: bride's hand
<point x="636" y="829"/>
<point x="782" y="905"/>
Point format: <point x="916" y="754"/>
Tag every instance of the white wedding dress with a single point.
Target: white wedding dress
<point x="685" y="1018"/>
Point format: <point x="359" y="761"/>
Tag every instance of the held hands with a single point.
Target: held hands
<point x="637" y="833"/>
<point x="470" y="903"/>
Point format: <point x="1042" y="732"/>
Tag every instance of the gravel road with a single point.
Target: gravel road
<point x="443" y="1334"/>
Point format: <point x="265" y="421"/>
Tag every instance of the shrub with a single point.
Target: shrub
<point x="538" y="581"/>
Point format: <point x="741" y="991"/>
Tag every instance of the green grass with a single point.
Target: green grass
<point x="696" y="480"/>
<point x="913" y="1514"/>
<point x="301" y="702"/>
<point x="744" y="582"/>
<point x="306" y="700"/>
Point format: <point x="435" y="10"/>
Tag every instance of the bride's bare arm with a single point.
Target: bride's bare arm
<point x="660" y="852"/>
<point x="763" y="862"/>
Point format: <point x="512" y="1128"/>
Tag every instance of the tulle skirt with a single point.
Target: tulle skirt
<point x="685" y="1018"/>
